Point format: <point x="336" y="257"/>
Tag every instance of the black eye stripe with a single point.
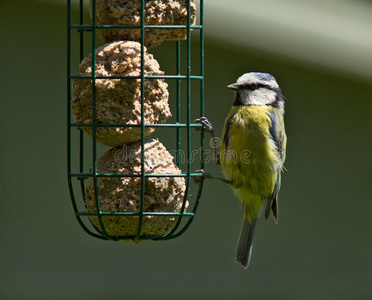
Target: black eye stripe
<point x="255" y="86"/>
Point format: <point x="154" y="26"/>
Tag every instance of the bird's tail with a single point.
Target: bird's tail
<point x="245" y="243"/>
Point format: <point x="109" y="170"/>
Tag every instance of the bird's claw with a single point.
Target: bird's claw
<point x="205" y="123"/>
<point x="205" y="175"/>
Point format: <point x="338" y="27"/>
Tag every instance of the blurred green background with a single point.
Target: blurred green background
<point x="321" y="248"/>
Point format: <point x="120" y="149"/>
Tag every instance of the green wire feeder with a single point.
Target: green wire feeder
<point x="134" y="191"/>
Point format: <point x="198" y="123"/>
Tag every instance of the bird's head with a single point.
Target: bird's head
<point x="257" y="89"/>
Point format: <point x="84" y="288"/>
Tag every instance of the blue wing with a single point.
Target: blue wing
<point x="272" y="201"/>
<point x="274" y="131"/>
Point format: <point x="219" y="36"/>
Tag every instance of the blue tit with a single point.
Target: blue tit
<point x="252" y="152"/>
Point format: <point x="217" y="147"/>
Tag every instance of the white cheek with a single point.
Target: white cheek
<point x="261" y="97"/>
<point x="245" y="95"/>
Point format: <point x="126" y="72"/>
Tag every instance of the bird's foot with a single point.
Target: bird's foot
<point x="205" y="123"/>
<point x="205" y="174"/>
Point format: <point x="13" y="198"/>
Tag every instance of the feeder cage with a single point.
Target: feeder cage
<point x="131" y="144"/>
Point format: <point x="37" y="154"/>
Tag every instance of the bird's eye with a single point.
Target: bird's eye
<point x="254" y="86"/>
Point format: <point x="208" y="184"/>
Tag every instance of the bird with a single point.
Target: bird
<point x="252" y="151"/>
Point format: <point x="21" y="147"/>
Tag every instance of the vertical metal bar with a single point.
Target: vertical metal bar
<point x="202" y="76"/>
<point x="81" y="159"/>
<point x="69" y="107"/>
<point x="81" y="133"/>
<point x="72" y="196"/>
<point x="81" y="11"/>
<point x="142" y="205"/>
<point x="178" y="109"/>
<point x="202" y="156"/>
<point x="188" y="122"/>
<point x="94" y="124"/>
<point x="198" y="196"/>
<point x="188" y="108"/>
<point x="69" y="146"/>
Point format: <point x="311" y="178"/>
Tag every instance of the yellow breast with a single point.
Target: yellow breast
<point x="248" y="154"/>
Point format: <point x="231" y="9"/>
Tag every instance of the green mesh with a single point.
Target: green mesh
<point x="77" y="148"/>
